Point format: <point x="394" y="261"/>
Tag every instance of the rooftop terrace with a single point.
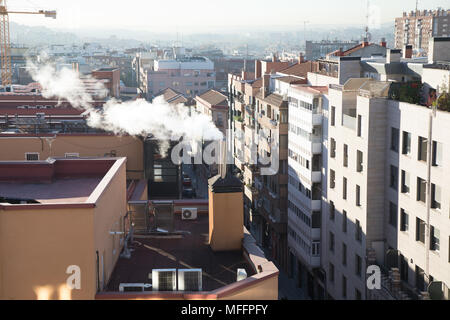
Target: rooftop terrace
<point x="187" y="248"/>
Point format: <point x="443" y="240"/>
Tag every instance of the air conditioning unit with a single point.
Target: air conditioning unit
<point x="189" y="213"/>
<point x="241" y="274"/>
<point x="135" y="287"/>
<point x="190" y="280"/>
<point x="164" y="279"/>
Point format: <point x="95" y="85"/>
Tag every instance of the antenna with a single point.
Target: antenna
<point x="368" y="20"/>
<point x="304" y="30"/>
<point x="417" y="5"/>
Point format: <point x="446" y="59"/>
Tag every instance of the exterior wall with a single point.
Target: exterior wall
<point x="111" y="207"/>
<point x="37" y="247"/>
<point x="226" y="221"/>
<point x="415" y="120"/>
<point x="85" y="145"/>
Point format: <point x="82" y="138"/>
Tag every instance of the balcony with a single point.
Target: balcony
<point x="349" y="119"/>
<point x="251" y="192"/>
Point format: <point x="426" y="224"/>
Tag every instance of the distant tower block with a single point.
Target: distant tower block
<point x="226" y="213"/>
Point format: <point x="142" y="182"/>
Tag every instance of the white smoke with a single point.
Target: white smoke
<point x="136" y="118"/>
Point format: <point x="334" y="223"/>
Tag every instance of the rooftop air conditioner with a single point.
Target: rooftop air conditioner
<point x="189" y="214"/>
<point x="164" y="279"/>
<point x="190" y="280"/>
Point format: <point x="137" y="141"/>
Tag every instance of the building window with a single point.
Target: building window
<point x="345" y="155"/>
<point x="420" y="230"/>
<point x="358" y="266"/>
<point x="32" y="156"/>
<point x="393" y="214"/>
<point x="437" y="154"/>
<point x="331" y="243"/>
<point x="404" y="221"/>
<point x="406" y="147"/>
<point x="332" y="179"/>
<point x="316" y="220"/>
<point x="434" y="239"/>
<point x="316" y="249"/>
<point x="359" y="161"/>
<point x="394" y="178"/>
<point x="331" y="271"/>
<point x="406" y="182"/>
<point x="358" y="196"/>
<point x="71" y="155"/>
<point x="360" y="126"/>
<point x="344" y="287"/>
<point x="333" y="116"/>
<point x="358" y="231"/>
<point x="344" y="221"/>
<point x="423" y="146"/>
<point x="395" y="137"/>
<point x="421" y="190"/>
<point x="332" y="148"/>
<point x="344" y="189"/>
<point x="435" y="197"/>
<point x="344" y="254"/>
<point x="332" y="211"/>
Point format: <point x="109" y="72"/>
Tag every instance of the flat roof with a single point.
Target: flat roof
<point x="57" y="191"/>
<point x="63" y="182"/>
<point x="188" y="251"/>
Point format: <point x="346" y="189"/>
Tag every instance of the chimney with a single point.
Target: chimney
<point x="407" y="51"/>
<point x="383" y="42"/>
<point x="274" y="57"/>
<point x="365" y="42"/>
<point x="265" y="85"/>
<point x="393" y="55"/>
<point x="226" y="210"/>
<point x="258" y="69"/>
<point x="301" y="58"/>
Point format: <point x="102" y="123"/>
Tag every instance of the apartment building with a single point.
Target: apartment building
<point x="214" y="105"/>
<point x="307" y="184"/>
<point x="416" y="28"/>
<point x="191" y="76"/>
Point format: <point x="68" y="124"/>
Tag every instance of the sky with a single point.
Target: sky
<point x="204" y="15"/>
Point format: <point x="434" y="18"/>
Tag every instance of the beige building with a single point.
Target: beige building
<point x="39" y="147"/>
<point x="215" y="105"/>
<point x="56" y="220"/>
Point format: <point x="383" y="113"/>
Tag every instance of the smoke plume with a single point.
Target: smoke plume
<point x="137" y="118"/>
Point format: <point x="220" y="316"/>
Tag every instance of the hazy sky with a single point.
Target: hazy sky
<point x="199" y="15"/>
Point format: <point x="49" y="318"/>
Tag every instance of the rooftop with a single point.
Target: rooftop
<point x="214" y="98"/>
<point x="187" y="250"/>
<point x="54" y="181"/>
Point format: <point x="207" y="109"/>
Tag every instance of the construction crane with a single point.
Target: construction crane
<point x="5" y="42"/>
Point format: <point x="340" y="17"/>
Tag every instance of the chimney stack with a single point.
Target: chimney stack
<point x="301" y="58"/>
<point x="407" y="51"/>
<point x="258" y="69"/>
<point x="383" y="42"/>
<point x="226" y="212"/>
<point x="265" y="85"/>
<point x="393" y="55"/>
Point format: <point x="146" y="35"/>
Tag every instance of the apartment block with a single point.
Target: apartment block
<point x="191" y="76"/>
<point x="416" y="28"/>
<point x="307" y="183"/>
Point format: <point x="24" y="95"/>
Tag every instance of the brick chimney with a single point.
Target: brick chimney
<point x="365" y="42"/>
<point x="383" y="42"/>
<point x="258" y="69"/>
<point x="265" y="85"/>
<point x="274" y="57"/>
<point x="301" y="58"/>
<point x="407" y="51"/>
